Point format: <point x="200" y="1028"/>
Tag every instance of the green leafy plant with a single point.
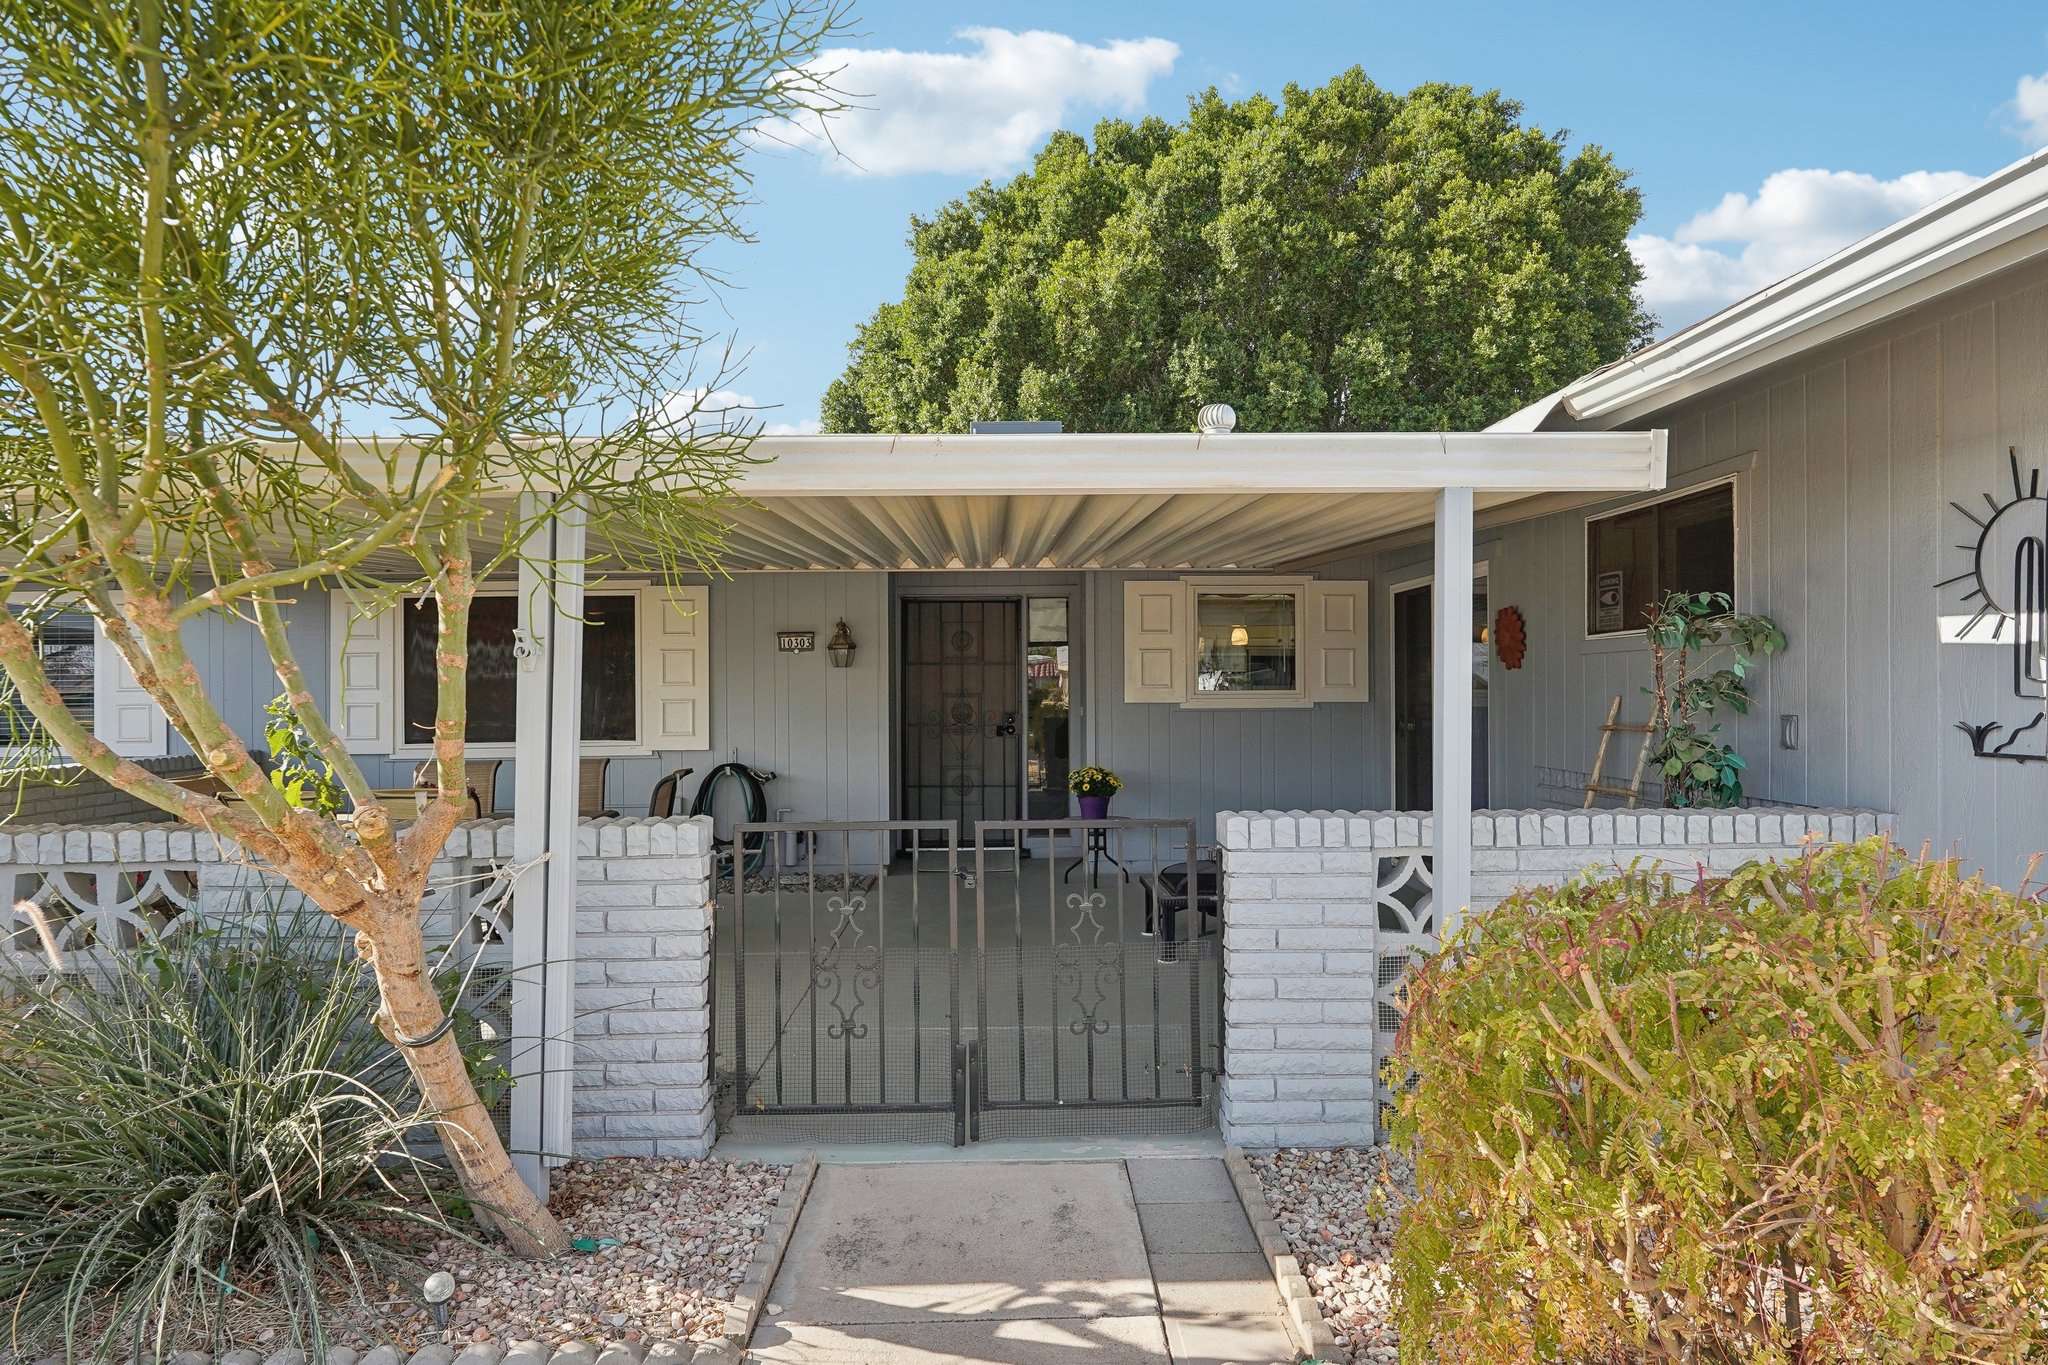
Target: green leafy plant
<point x="1094" y="781"/>
<point x="201" y="1133"/>
<point x="298" y="769"/>
<point x="1689" y="634"/>
<point x="1799" y="1115"/>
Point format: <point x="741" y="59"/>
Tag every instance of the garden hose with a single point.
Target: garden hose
<point x="756" y="797"/>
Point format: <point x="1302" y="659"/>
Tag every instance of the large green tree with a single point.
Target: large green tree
<point x="1349" y="259"/>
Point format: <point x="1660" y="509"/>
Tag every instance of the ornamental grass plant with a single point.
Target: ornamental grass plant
<point x="1799" y="1114"/>
<point x="197" y="1135"/>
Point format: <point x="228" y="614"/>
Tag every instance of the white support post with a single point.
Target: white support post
<point x="1451" y="712"/>
<point x="549" y="709"/>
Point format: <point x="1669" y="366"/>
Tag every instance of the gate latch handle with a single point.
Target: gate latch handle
<point x="1007" y="727"/>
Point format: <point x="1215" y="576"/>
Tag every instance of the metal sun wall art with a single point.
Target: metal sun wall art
<point x="2008" y="581"/>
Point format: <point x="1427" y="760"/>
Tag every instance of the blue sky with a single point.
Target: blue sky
<point x="1763" y="136"/>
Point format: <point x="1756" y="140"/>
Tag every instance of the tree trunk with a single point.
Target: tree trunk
<point x="410" y="1009"/>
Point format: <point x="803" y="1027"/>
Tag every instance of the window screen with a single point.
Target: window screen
<point x="610" y="663"/>
<point x="1637" y="557"/>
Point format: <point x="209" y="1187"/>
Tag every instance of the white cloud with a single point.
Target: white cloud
<point x="1797" y="217"/>
<point x="706" y="410"/>
<point x="2029" y="110"/>
<point x="971" y="113"/>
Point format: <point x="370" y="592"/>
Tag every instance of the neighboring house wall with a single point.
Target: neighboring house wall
<point x="75" y="797"/>
<point x="1846" y="461"/>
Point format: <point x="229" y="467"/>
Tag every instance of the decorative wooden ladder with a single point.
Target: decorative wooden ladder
<point x="1612" y="726"/>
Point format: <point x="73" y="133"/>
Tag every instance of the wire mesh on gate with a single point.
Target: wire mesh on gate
<point x="850" y="981"/>
<point x="836" y="977"/>
<point x="1097" y="997"/>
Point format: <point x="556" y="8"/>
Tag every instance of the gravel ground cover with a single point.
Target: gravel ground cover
<point x="1338" y="1210"/>
<point x="673" y="1238"/>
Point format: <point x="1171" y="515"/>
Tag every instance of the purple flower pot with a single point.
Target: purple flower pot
<point x="1094" y="807"/>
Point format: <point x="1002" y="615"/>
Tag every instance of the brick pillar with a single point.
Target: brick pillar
<point x="1299" y="955"/>
<point x="643" y="983"/>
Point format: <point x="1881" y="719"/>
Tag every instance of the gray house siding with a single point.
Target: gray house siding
<point x="1845" y="462"/>
<point x="822" y="730"/>
<point x="1178" y="761"/>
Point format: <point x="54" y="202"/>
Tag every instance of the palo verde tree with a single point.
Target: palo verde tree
<point x="1349" y="259"/>
<point x="300" y="296"/>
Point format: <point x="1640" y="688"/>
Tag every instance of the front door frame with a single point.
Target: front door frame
<point x="989" y="585"/>
<point x="1482" y="571"/>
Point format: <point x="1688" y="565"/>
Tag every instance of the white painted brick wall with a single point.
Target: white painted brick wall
<point x="643" y="988"/>
<point x="643" y="950"/>
<point x="1311" y="925"/>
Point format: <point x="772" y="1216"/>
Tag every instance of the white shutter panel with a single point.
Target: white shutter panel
<point x="124" y="716"/>
<point x="1338" y="660"/>
<point x="365" y="705"/>
<point x="1155" y="640"/>
<point x="675" y="668"/>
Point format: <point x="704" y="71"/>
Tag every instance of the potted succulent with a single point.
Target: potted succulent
<point x="1093" y="787"/>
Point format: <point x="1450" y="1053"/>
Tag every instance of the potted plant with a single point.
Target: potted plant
<point x="1688" y="634"/>
<point x="1093" y="787"/>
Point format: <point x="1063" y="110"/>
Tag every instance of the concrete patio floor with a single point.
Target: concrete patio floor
<point x="1022" y="1263"/>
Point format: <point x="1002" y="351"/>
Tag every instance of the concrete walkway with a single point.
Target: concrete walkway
<point x="1019" y="1263"/>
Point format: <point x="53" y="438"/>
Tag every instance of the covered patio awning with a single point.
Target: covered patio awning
<point x="1151" y="501"/>
<point x="1024" y="501"/>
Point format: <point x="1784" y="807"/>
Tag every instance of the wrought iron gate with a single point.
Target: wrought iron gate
<point x="859" y="999"/>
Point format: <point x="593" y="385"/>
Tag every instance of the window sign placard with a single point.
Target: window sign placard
<point x="1607" y="615"/>
<point x="1638" y="556"/>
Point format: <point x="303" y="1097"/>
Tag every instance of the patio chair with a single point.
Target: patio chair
<point x="590" y="775"/>
<point x="667" y="794"/>
<point x="480" y="775"/>
<point x="1174" y="894"/>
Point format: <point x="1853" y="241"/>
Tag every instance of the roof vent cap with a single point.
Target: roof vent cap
<point x="1216" y="419"/>
<point x="1014" y="428"/>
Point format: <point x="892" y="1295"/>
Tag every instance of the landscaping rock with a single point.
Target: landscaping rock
<point x="1338" y="1210"/>
<point x="670" y="1240"/>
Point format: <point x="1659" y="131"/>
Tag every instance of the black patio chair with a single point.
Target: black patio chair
<point x="1174" y="894"/>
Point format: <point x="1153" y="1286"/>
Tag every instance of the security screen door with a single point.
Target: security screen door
<point x="963" y="711"/>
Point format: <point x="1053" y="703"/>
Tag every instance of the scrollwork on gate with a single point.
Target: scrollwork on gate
<point x="862" y="971"/>
<point x="1084" y="962"/>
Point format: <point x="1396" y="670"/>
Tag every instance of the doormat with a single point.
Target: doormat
<point x="803" y="883"/>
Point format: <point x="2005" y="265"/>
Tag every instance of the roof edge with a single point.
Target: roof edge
<point x="1862" y="283"/>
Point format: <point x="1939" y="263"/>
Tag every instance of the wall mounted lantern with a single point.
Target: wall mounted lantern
<point x="841" y="647"/>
